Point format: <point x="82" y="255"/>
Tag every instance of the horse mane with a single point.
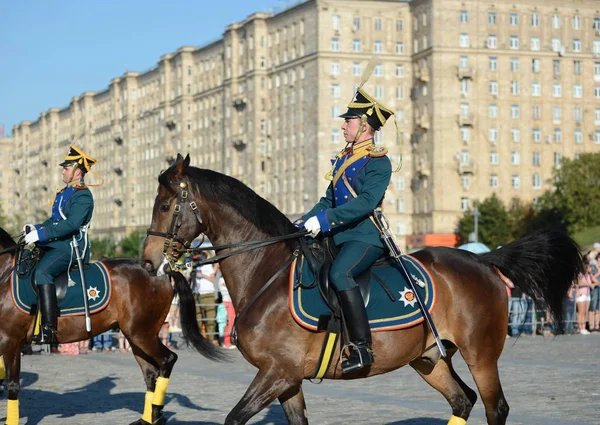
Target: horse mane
<point x="6" y="239"/>
<point x="223" y="189"/>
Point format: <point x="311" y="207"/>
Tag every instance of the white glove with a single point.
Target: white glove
<point x="32" y="237"/>
<point x="313" y="226"/>
<point x="28" y="228"/>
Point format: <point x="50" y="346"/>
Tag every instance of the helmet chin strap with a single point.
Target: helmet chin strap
<point x="361" y="128"/>
<point x="73" y="169"/>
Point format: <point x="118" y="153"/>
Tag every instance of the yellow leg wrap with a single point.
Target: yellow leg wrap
<point x="147" y="415"/>
<point x="160" y="390"/>
<point x="12" y="412"/>
<point x="2" y="372"/>
<point x="455" y="420"/>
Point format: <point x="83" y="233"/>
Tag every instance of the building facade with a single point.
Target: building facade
<point x="489" y="97"/>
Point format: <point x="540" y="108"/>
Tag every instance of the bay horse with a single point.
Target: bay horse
<point x="471" y="313"/>
<point x="138" y="306"/>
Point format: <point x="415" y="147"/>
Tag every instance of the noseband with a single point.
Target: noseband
<point x="170" y="250"/>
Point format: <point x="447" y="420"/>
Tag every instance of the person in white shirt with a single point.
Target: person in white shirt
<point x="205" y="295"/>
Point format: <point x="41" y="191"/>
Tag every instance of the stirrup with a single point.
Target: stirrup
<point x="360" y="356"/>
<point x="47" y="335"/>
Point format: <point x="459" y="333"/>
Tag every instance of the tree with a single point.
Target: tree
<point x="102" y="247"/>
<point x="130" y="246"/>
<point x="494" y="228"/>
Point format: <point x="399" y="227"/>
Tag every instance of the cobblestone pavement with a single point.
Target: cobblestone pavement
<point x="546" y="381"/>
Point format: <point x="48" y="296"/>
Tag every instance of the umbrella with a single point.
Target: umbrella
<point x="475" y="247"/>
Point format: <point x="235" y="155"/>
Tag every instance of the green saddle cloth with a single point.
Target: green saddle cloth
<point x="307" y="304"/>
<point x="98" y="291"/>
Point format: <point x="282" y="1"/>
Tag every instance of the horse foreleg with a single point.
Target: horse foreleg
<point x="443" y="378"/>
<point x="156" y="362"/>
<point x="12" y="359"/>
<point x="267" y="386"/>
<point x="294" y="405"/>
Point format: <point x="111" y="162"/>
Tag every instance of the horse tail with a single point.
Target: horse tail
<point x="544" y="265"/>
<point x="189" y="324"/>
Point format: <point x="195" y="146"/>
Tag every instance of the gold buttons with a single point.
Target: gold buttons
<point x="332" y="223"/>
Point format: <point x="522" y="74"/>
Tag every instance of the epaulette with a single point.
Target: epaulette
<point x="377" y="151"/>
<point x="80" y="186"/>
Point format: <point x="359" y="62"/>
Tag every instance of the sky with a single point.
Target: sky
<point x="51" y="51"/>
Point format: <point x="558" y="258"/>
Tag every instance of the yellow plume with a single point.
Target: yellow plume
<point x="368" y="71"/>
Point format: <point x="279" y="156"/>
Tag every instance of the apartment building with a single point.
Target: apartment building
<point x="7" y="180"/>
<point x="489" y="97"/>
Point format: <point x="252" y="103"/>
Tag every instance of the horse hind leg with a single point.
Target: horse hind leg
<point x="488" y="382"/>
<point x="443" y="378"/>
<point x="156" y="362"/>
<point x="294" y="405"/>
<point x="12" y="359"/>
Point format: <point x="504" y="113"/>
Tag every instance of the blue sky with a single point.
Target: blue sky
<point x="53" y="50"/>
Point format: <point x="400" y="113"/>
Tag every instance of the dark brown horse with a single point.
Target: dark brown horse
<point x="471" y="300"/>
<point x="138" y="306"/>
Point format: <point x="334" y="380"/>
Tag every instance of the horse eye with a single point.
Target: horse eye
<point x="165" y="208"/>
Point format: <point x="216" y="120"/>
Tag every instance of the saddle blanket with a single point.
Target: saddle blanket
<point x="98" y="284"/>
<point x="307" y="304"/>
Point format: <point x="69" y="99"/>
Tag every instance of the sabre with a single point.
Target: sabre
<point x="396" y="254"/>
<point x="88" y="320"/>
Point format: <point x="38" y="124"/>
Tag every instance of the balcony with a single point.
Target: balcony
<point x="423" y="121"/>
<point x="239" y="143"/>
<point x="466" y="167"/>
<point x="422" y="74"/>
<point x="466" y="120"/>
<point x="465" y="73"/>
<point x="239" y="102"/>
<point x="423" y="168"/>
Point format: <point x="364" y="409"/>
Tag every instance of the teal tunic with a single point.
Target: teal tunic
<point x="71" y="213"/>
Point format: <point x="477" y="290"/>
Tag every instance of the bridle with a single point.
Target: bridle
<point x="170" y="250"/>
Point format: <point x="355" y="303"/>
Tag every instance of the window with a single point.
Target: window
<point x="576" y="22"/>
<point x="555" y="21"/>
<point x="556" y="90"/>
<point x="597" y="92"/>
<point x="378" y="46"/>
<point x="576" y="45"/>
<point x="463" y="62"/>
<point x="335" y="44"/>
<point x="535" y="20"/>
<point x="465" y="157"/>
<point x="557" y="159"/>
<point x="335" y="112"/>
<point x="556" y="113"/>
<point x="536" y="135"/>
<point x="513" y="19"/>
<point x="335" y="91"/>
<point x="494" y="87"/>
<point x="535" y="65"/>
<point x="463" y="41"/>
<point x="379" y="92"/>
<point x="493" y="135"/>
<point x="516" y="181"/>
<point x="399" y="48"/>
<point x="596" y="71"/>
<point x="415" y="46"/>
<point x="578" y="136"/>
<point x="493" y="63"/>
<point x="378" y="24"/>
<point x="556" y="67"/>
<point x="577" y="67"/>
<point x="356" y="69"/>
<point x="557" y="135"/>
<point x="399" y="25"/>
<point x="356" y="23"/>
<point x="464" y="87"/>
<point x="536" y="159"/>
<point x="515" y="158"/>
<point x="335" y="136"/>
<point x="492" y="42"/>
<point x="492" y="18"/>
<point x="464" y="16"/>
<point x="400" y="71"/>
<point x="493" y="111"/>
<point x="514" y="87"/>
<point x="494" y="181"/>
<point x="464" y="204"/>
<point x="335" y="69"/>
<point x="464" y="181"/>
<point x="597" y="116"/>
<point x="537" y="181"/>
<point x="514" y="42"/>
<point x="556" y="44"/>
<point x="494" y="158"/>
<point x="577" y="115"/>
<point x="597" y="137"/>
<point x="596" y="24"/>
<point x="335" y="22"/>
<point x="515" y="134"/>
<point x="536" y="89"/>
<point x="424" y="19"/>
<point x="378" y="72"/>
<point x="596" y="46"/>
<point x="465" y="134"/>
<point x="464" y="110"/>
<point x="400" y="92"/>
<point x="577" y="91"/>
<point x="356" y="46"/>
<point x="400" y="115"/>
<point x="514" y="111"/>
<point x="400" y="205"/>
<point x="535" y="44"/>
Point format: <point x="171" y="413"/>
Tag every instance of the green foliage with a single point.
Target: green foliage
<point x="586" y="238"/>
<point x="9" y="223"/>
<point x="494" y="229"/>
<point x="103" y="247"/>
<point x="131" y="246"/>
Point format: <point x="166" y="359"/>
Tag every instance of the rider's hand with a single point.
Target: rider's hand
<point x="313" y="226"/>
<point x="28" y="228"/>
<point x="32" y="237"/>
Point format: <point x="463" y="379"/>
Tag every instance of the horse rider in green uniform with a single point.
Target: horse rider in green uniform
<point x="360" y="176"/>
<point x="71" y="214"/>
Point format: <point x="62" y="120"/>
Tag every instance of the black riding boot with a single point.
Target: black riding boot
<point x="47" y="294"/>
<point x="359" y="332"/>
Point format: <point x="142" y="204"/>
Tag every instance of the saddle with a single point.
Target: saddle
<point x="320" y="255"/>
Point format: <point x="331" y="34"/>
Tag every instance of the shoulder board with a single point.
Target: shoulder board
<point x="80" y="187"/>
<point x="378" y="151"/>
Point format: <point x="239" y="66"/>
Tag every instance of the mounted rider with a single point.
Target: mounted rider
<point x="360" y="176"/>
<point x="71" y="215"/>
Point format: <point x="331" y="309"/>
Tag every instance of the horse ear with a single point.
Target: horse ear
<point x="181" y="165"/>
<point x="179" y="157"/>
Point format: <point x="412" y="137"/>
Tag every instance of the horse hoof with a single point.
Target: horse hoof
<point x="162" y="420"/>
<point x="140" y="422"/>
